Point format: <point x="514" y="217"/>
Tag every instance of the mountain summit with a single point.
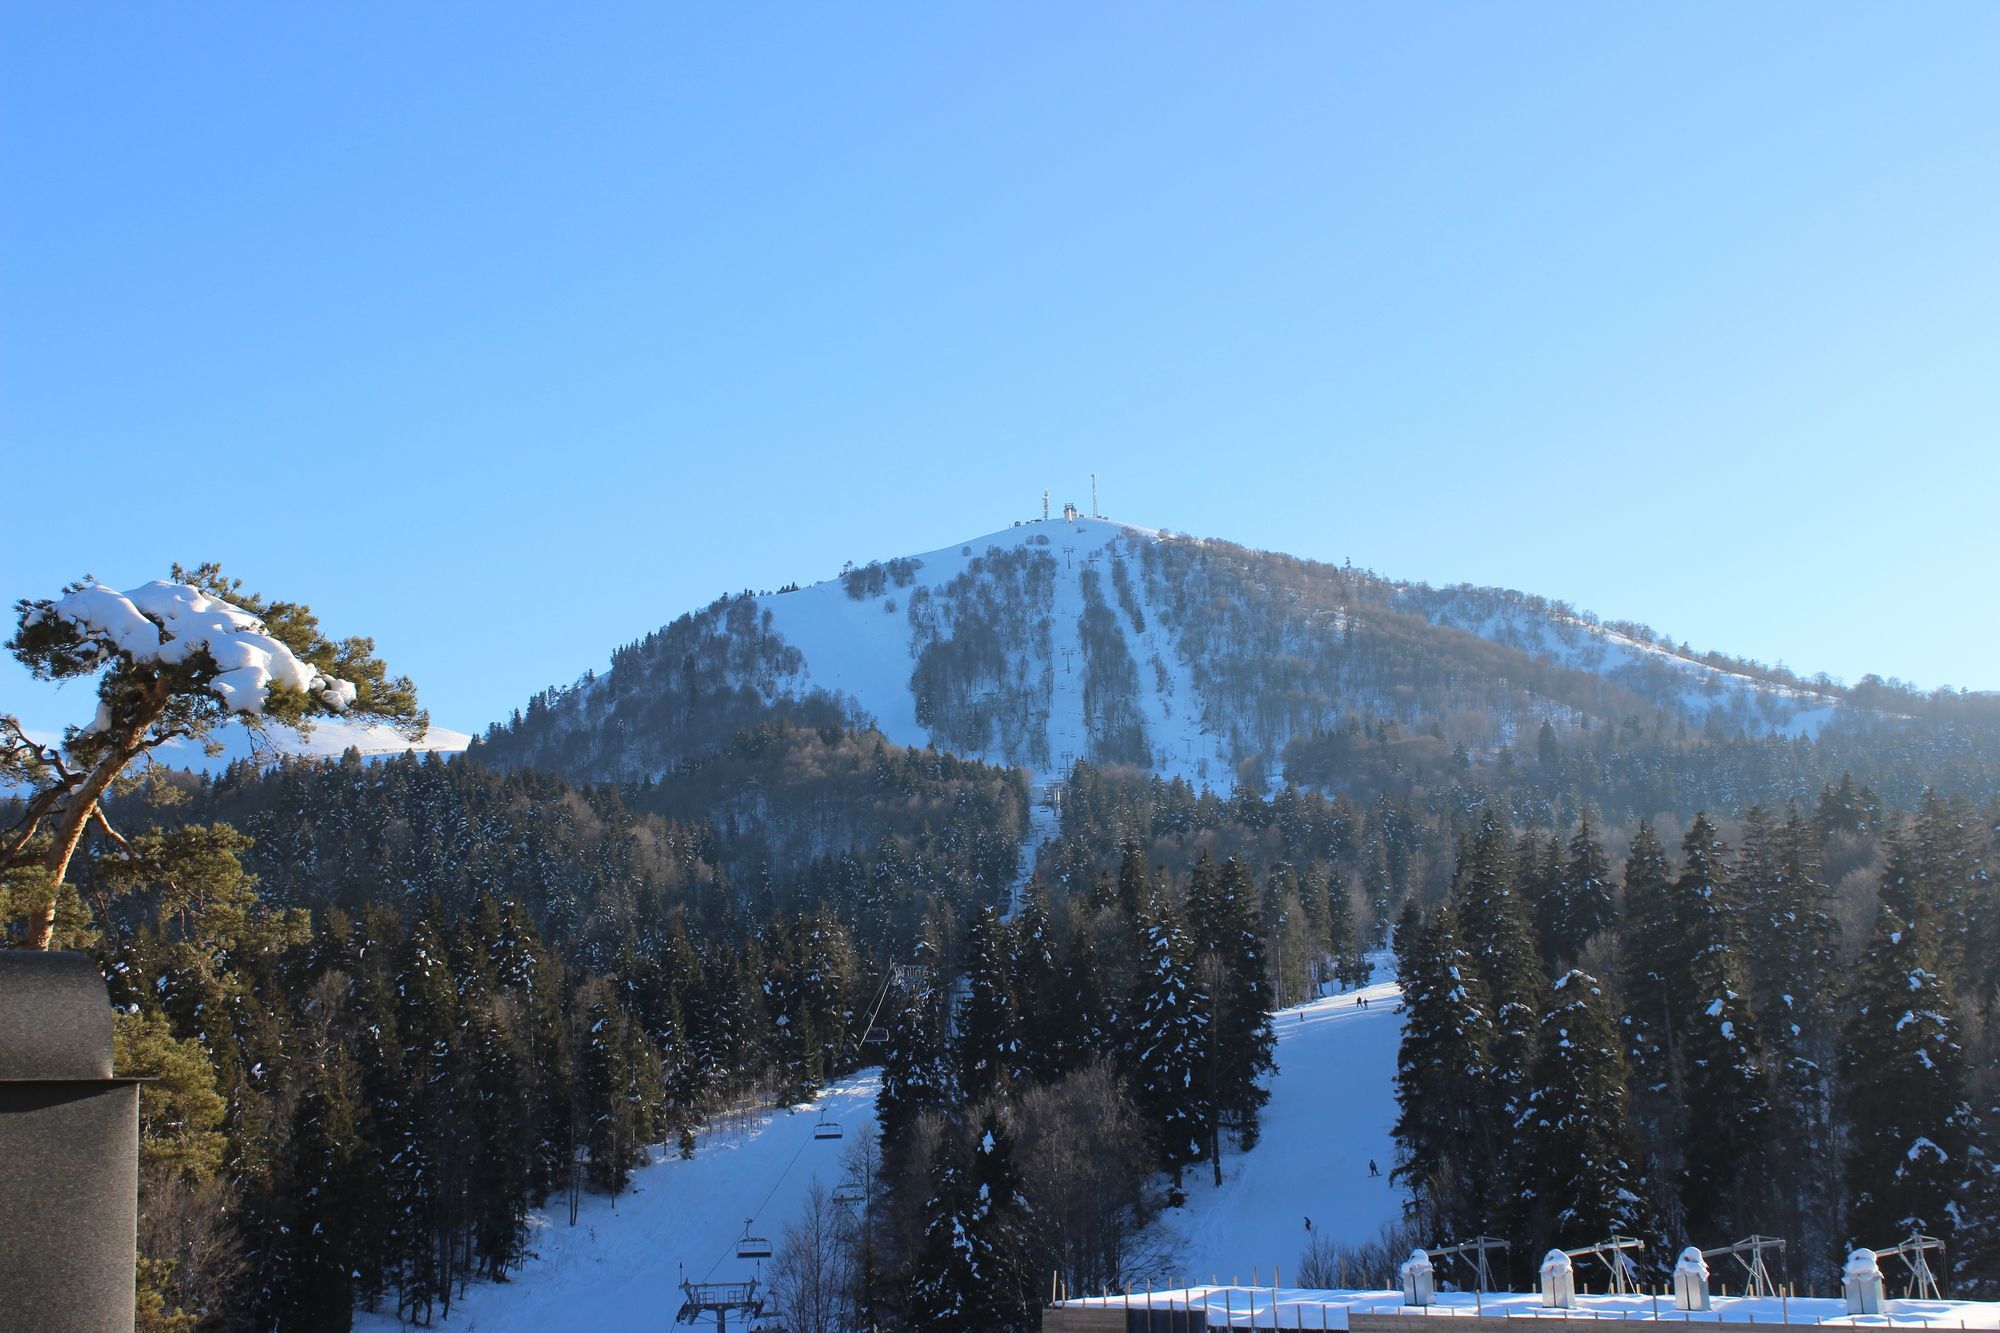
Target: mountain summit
<point x="1078" y="638"/>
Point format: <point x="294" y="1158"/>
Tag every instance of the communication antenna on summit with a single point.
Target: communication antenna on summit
<point x="1093" y="497"/>
<point x="1045" y="505"/>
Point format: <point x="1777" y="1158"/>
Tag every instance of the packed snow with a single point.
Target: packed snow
<point x="1332" y="1110"/>
<point x="1305" y="1308"/>
<point x="863" y="649"/>
<point x="171" y="622"/>
<point x="621" y="1265"/>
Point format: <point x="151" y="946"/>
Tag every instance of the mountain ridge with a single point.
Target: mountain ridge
<point x="1087" y="638"/>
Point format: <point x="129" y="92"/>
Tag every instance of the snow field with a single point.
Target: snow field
<point x="1332" y="1110"/>
<point x="1303" y="1308"/>
<point x="620" y="1266"/>
<point x="862" y="650"/>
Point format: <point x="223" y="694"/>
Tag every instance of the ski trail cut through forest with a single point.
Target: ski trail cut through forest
<point x="1332" y="1110"/>
<point x="620" y="1266"/>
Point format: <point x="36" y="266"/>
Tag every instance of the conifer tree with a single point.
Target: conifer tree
<point x="1445" y="1147"/>
<point x="1238" y="1040"/>
<point x="1580" y="1175"/>
<point x="1495" y="933"/>
<point x="918" y="1073"/>
<point x="1343" y="941"/>
<point x="1166" y="1053"/>
<point x="989" y="1040"/>
<point x="1580" y="904"/>
<point x="1902" y="1070"/>
<point x="1652" y="985"/>
<point x="1038" y="984"/>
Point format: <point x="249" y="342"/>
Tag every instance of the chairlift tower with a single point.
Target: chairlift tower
<point x="1624" y="1273"/>
<point x="1923" y="1281"/>
<point x="1473" y="1254"/>
<point x="1750" y="1253"/>
<point x="702" y="1299"/>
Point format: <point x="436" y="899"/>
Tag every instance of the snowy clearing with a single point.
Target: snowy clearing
<point x="1333" y="1105"/>
<point x="620" y="1266"/>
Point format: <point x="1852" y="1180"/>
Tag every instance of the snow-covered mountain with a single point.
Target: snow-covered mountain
<point x="330" y="738"/>
<point x="1084" y="638"/>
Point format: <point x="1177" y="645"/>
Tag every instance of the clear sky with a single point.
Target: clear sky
<point x="506" y="333"/>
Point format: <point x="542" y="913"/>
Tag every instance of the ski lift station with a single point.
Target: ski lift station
<point x="1193" y="1308"/>
<point x="1891" y="1287"/>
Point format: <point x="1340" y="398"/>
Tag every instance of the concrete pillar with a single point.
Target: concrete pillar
<point x="1862" y="1279"/>
<point x="69" y="1150"/>
<point x="1558" y="1281"/>
<point x="1691" y="1281"/>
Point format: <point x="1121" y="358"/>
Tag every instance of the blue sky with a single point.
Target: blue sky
<point x="506" y="333"/>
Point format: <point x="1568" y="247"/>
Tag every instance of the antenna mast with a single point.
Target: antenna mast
<point x="1093" y="497"/>
<point x="1045" y="504"/>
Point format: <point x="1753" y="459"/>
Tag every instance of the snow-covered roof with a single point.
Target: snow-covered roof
<point x="1310" y="1308"/>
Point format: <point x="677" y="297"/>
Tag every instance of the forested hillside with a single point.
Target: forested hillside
<point x="1689" y="947"/>
<point x="1061" y="640"/>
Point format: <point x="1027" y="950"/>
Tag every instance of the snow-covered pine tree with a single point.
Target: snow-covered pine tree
<point x="1166" y="1040"/>
<point x="431" y="1156"/>
<point x="1445" y="1149"/>
<point x="989" y="1036"/>
<point x="1495" y="932"/>
<point x="918" y="1072"/>
<point x="172" y="659"/>
<point x="1725" y="1097"/>
<point x="1652" y="980"/>
<point x="1040" y="994"/>
<point x="1578" y="1172"/>
<point x="1087" y="1019"/>
<point x="313" y="1280"/>
<point x="1902" y="1071"/>
<point x="1343" y="941"/>
<point x="1580" y="904"/>
<point x="1229" y="965"/>
<point x="970" y="1268"/>
<point x="1792" y="951"/>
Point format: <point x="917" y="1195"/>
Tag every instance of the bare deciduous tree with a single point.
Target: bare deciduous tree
<point x="812" y="1274"/>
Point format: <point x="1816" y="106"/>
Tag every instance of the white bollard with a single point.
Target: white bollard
<point x="1691" y="1281"/>
<point x="1863" y="1280"/>
<point x="1558" y="1281"/>
<point x="1419" y="1279"/>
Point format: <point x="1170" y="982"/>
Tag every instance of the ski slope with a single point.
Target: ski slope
<point x="1332" y="1107"/>
<point x="862" y="648"/>
<point x="620" y="1266"/>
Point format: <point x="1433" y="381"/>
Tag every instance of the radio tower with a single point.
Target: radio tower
<point x="1045" y="505"/>
<point x="1093" y="496"/>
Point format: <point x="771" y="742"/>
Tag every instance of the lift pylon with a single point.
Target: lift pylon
<point x="721" y="1299"/>
<point x="1923" y="1281"/>
<point x="1624" y="1273"/>
<point x="1472" y="1253"/>
<point x="1750" y="1253"/>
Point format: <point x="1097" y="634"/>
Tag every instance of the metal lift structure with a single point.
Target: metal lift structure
<point x="721" y="1299"/>
<point x="1750" y="1253"/>
<point x="1472" y="1253"/>
<point x="1624" y="1273"/>
<point x="1923" y="1281"/>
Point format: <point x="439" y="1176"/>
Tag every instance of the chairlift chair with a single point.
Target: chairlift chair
<point x="827" y="1128"/>
<point x="752" y="1247"/>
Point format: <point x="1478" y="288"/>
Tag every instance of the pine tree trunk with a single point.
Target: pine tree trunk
<point x="76" y="817"/>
